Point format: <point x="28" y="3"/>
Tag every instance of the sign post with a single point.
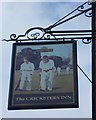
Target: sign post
<point x="94" y="60"/>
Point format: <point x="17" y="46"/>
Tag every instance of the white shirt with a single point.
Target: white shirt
<point x="46" y="66"/>
<point x="27" y="67"/>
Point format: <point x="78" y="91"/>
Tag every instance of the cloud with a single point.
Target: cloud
<point x="43" y="0"/>
<point x="17" y="18"/>
<point x="22" y="17"/>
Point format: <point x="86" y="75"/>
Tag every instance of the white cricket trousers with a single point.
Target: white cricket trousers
<point x="44" y="83"/>
<point x="26" y="77"/>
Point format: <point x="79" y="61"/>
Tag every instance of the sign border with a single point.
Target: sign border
<point x="74" y="105"/>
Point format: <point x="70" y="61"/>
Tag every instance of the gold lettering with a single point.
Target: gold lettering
<point x="66" y="97"/>
<point x="20" y="99"/>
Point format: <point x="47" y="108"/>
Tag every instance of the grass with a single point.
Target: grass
<point x="61" y="83"/>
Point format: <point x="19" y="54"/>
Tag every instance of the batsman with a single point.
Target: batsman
<point x="47" y="73"/>
<point x="27" y="69"/>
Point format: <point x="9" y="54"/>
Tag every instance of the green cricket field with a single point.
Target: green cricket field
<point x="61" y="84"/>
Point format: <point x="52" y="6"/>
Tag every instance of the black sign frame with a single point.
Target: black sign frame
<point x="60" y="98"/>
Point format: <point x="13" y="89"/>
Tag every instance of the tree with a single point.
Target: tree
<point x="33" y="56"/>
<point x="57" y="61"/>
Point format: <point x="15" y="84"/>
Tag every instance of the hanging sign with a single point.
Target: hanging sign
<point x="44" y="75"/>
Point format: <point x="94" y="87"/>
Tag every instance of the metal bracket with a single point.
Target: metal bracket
<point x="39" y="33"/>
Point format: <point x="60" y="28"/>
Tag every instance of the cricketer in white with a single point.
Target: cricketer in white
<point x="47" y="73"/>
<point x="27" y="69"/>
